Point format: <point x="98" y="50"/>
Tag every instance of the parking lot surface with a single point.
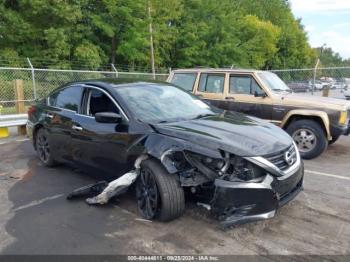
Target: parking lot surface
<point x="334" y="93"/>
<point x="36" y="218"/>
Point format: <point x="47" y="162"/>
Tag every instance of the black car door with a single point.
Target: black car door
<point x="100" y="146"/>
<point x="61" y="108"/>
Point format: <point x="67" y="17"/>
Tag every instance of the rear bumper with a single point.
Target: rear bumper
<point x="237" y="203"/>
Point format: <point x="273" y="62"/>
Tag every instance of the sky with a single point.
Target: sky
<point x="326" y="22"/>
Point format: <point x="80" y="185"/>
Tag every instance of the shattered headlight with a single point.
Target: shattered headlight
<point x="209" y="167"/>
<point x="239" y="169"/>
<point x="230" y="167"/>
<point x="212" y="163"/>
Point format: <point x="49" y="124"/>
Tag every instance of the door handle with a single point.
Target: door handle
<point x="78" y="128"/>
<point x="49" y="115"/>
<point x="229" y="98"/>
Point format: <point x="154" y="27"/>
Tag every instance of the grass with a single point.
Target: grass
<point x="10" y="110"/>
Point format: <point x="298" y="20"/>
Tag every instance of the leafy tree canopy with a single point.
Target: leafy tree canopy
<point x="244" y="33"/>
<point x="329" y="58"/>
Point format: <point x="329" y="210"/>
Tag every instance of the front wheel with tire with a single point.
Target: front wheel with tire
<point x="43" y="147"/>
<point x="159" y="194"/>
<point x="309" y="136"/>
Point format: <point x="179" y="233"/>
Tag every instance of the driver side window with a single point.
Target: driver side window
<point x="99" y="102"/>
<point x="244" y="84"/>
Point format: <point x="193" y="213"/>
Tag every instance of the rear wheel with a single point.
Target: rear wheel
<point x="159" y="194"/>
<point x="309" y="137"/>
<point x="43" y="147"/>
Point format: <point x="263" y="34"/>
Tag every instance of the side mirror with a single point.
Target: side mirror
<point x="263" y="94"/>
<point x="108" y="117"/>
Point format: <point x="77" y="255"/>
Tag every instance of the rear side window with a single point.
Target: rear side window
<point x="67" y="98"/>
<point x="184" y="80"/>
<point x="211" y="83"/>
<point x="243" y="85"/>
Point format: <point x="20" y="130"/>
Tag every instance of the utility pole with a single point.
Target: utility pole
<point x="151" y="39"/>
<point x="314" y="76"/>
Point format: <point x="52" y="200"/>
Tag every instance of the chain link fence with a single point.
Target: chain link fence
<point x="315" y="80"/>
<point x="37" y="83"/>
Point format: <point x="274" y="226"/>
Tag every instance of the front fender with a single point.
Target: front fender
<point x="159" y="146"/>
<point x="314" y="113"/>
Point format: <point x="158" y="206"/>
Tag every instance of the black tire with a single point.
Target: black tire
<point x="42" y="145"/>
<point x="170" y="198"/>
<point x="311" y="127"/>
<point x="334" y="139"/>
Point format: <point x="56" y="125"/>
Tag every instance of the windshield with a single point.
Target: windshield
<point x="158" y="103"/>
<point x="273" y="82"/>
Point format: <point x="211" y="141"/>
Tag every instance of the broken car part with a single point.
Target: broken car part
<point x="114" y="188"/>
<point x="89" y="190"/>
<point x="119" y="185"/>
<point x="102" y="192"/>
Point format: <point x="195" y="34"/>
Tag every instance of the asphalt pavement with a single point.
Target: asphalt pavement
<point x="36" y="218"/>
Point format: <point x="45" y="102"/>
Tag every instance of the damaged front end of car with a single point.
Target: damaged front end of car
<point x="237" y="189"/>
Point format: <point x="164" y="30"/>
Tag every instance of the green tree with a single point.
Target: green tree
<point x="216" y="34"/>
<point x="48" y="32"/>
<point x="328" y="57"/>
<point x="294" y="50"/>
<point x="88" y="54"/>
<point x="165" y="17"/>
<point x="68" y="33"/>
<point x="121" y="27"/>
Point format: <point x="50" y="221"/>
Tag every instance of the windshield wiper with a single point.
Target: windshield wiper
<point x="203" y="115"/>
<point x="184" y="119"/>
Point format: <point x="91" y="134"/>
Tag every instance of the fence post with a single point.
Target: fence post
<point x="115" y="69"/>
<point x="20" y="108"/>
<point x="33" y="78"/>
<point x="314" y="76"/>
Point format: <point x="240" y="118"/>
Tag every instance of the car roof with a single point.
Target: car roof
<point x="229" y="70"/>
<point x="110" y="83"/>
<point x="117" y="81"/>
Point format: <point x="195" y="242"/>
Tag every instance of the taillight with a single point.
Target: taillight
<point x="31" y="111"/>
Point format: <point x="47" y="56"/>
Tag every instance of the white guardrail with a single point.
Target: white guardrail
<point x="13" y="120"/>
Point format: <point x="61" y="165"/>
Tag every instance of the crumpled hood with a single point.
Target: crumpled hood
<point x="316" y="101"/>
<point x="236" y="133"/>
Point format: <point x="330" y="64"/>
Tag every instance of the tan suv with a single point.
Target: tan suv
<point x="312" y="121"/>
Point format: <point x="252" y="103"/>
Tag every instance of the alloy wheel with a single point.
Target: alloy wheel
<point x="147" y="194"/>
<point x="42" y="145"/>
<point x="305" y="139"/>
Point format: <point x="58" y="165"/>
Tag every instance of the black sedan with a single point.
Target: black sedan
<point x="239" y="167"/>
